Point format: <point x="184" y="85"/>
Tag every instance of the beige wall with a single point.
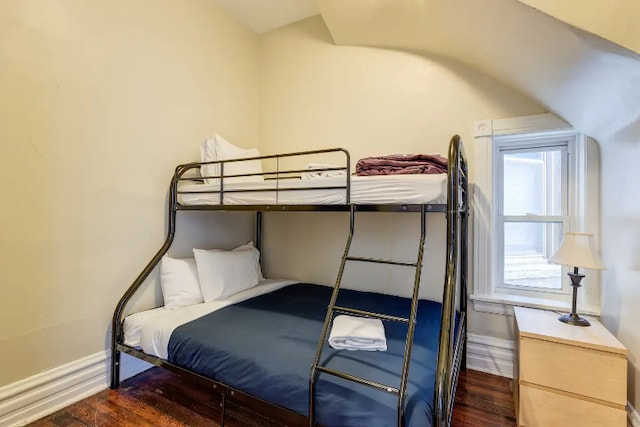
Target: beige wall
<point x="372" y="102"/>
<point x="621" y="249"/>
<point x="98" y="103"/>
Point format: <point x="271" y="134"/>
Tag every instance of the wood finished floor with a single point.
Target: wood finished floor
<point x="161" y="398"/>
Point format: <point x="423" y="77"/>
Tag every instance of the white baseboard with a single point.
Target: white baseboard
<point x="490" y="355"/>
<point x="633" y="417"/>
<point x="35" y="397"/>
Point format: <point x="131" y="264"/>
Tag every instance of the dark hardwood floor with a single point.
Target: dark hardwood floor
<point x="160" y="398"/>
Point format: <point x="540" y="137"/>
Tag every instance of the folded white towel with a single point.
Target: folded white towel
<point x="315" y="174"/>
<point x="357" y="333"/>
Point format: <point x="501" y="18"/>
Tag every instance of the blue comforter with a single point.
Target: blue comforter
<point x="265" y="347"/>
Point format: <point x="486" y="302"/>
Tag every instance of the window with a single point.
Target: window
<point x="535" y="178"/>
<point x="531" y="179"/>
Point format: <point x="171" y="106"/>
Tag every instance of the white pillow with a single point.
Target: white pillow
<point x="226" y="151"/>
<point x="256" y="255"/>
<point x="179" y="282"/>
<point x="208" y="154"/>
<point x="224" y="273"/>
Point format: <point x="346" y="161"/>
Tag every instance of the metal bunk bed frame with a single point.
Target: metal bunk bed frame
<point x="453" y="330"/>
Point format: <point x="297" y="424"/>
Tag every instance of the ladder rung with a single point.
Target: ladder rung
<point x="382" y="261"/>
<point x="371" y="314"/>
<point x="379" y="386"/>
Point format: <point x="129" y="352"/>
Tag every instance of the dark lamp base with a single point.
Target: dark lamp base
<point x="574" y="319"/>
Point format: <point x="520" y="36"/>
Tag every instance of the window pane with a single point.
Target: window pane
<point x="533" y="182"/>
<point x="527" y="248"/>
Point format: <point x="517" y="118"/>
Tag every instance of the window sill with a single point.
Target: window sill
<point x="503" y="304"/>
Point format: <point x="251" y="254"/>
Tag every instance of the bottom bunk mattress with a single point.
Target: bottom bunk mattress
<point x="265" y="346"/>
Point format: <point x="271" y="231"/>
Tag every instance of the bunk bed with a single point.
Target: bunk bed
<point x="426" y="336"/>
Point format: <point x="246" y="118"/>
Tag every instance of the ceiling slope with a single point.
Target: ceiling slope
<point x="590" y="82"/>
<point x="615" y="20"/>
<point x="262" y="16"/>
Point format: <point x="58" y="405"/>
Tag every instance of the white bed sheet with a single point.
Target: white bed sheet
<point x="382" y="189"/>
<point x="133" y="325"/>
<point x="151" y="330"/>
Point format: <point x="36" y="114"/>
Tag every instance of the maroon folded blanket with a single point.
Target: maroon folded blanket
<point x="399" y="164"/>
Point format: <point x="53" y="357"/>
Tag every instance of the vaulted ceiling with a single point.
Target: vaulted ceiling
<point x="262" y="16"/>
<point x="554" y="53"/>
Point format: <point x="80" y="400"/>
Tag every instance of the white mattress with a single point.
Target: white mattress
<point x="151" y="330"/>
<point x="382" y="189"/>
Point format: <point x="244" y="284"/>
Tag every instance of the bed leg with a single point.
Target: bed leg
<point x="115" y="369"/>
<point x="463" y="362"/>
<point x="223" y="407"/>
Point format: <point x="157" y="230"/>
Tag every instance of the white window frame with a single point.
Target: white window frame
<point x="583" y="212"/>
<point x="532" y="142"/>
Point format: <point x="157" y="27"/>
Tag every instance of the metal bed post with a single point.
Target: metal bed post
<point x="464" y="251"/>
<point x="258" y="234"/>
<point x="460" y="333"/>
<point x="116" y="324"/>
<point x="444" y="372"/>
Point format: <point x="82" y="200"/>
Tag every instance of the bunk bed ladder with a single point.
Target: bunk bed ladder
<point x="332" y="308"/>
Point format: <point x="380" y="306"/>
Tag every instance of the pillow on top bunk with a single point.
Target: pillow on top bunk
<point x="225" y="273"/>
<point x="221" y="149"/>
<point x="179" y="282"/>
<point x="226" y="151"/>
<point x="208" y="154"/>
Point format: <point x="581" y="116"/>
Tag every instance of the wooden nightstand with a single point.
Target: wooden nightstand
<point x="567" y="375"/>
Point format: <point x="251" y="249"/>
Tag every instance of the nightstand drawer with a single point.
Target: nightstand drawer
<point x="544" y="408"/>
<point x="587" y="372"/>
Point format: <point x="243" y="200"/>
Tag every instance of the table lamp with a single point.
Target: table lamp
<point x="577" y="250"/>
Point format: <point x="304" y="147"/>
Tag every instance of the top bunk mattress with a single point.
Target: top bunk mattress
<point x="380" y="189"/>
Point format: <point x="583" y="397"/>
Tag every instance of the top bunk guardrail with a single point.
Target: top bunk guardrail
<point x="212" y="191"/>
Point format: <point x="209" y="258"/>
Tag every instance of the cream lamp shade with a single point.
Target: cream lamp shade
<point x="578" y="250"/>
